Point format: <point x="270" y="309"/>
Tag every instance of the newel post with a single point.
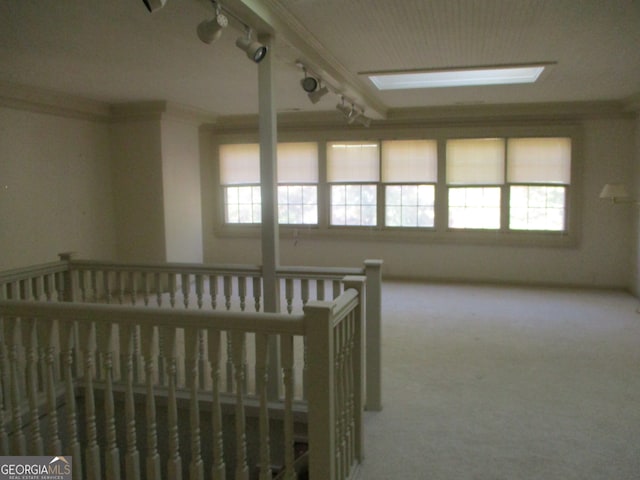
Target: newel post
<point x="69" y="281"/>
<point x="373" y="327"/>
<point x="321" y="391"/>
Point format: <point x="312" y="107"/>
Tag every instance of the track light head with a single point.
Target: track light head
<point x="309" y="84"/>
<point x="210" y="30"/>
<point x="346" y="110"/>
<point x="318" y="94"/>
<point x="254" y="50"/>
<point x="153" y="5"/>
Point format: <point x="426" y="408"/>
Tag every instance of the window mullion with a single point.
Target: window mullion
<point x="441" y="209"/>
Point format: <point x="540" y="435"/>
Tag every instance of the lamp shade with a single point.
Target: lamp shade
<point x="614" y="191"/>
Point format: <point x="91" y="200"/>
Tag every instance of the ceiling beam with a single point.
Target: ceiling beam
<point x="271" y="17"/>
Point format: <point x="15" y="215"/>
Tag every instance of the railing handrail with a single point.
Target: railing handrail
<point x="269" y="323"/>
<point x="17" y="274"/>
<point x="197" y="268"/>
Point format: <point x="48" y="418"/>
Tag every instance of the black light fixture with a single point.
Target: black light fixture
<point x="309" y="84"/>
<point x="312" y="84"/>
<point x="153" y="5"/>
<point x="254" y="50"/>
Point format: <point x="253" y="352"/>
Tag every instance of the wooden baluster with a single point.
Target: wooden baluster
<point x="338" y="402"/>
<point x="218" y="468"/>
<point x="105" y="337"/>
<point x="199" y="290"/>
<point x="4" y="438"/>
<point x="133" y="287"/>
<point x="262" y="379"/>
<point x="5" y="366"/>
<point x="172" y="289"/>
<point x="38" y="288"/>
<point x="94" y="285"/>
<point x="286" y="353"/>
<point x="49" y="286"/>
<point x="13" y="328"/>
<point x="203" y="366"/>
<point x="213" y="290"/>
<point x="60" y="286"/>
<point x="304" y="291"/>
<point x="320" y="289"/>
<point x="351" y="388"/>
<point x="132" y="457"/>
<point x="67" y="343"/>
<point x="337" y="288"/>
<point x="120" y="284"/>
<point x="106" y="284"/>
<point x="237" y="353"/>
<point x="227" y="283"/>
<point x="48" y="339"/>
<point x="92" y="450"/>
<point x="82" y="285"/>
<point x="185" y="278"/>
<point x="149" y="350"/>
<point x="242" y="291"/>
<point x="192" y="357"/>
<point x="257" y="292"/>
<point x="305" y="367"/>
<point x="174" y="462"/>
<point x="229" y="370"/>
<point x="158" y="289"/>
<point x="30" y="341"/>
<point x="288" y="288"/>
<point x="26" y="290"/>
<point x="342" y="388"/>
<point x="146" y="287"/>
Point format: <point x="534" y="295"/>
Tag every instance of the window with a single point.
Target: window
<point x="539" y="171"/>
<point x="297" y="183"/>
<point x="475" y="173"/>
<point x="410" y="172"/>
<point x="240" y="179"/>
<point x="498" y="188"/>
<point x="353" y="172"/>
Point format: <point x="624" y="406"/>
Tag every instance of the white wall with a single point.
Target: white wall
<point x="601" y="258"/>
<point x="181" y="189"/>
<point x="138" y="183"/>
<point x="55" y="188"/>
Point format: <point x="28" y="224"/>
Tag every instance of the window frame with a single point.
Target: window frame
<point x="440" y="232"/>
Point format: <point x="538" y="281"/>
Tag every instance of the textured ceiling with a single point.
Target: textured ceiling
<point x="115" y="51"/>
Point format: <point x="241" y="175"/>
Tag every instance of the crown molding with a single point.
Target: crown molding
<point x="157" y="110"/>
<point x="40" y="100"/>
<point x="437" y="116"/>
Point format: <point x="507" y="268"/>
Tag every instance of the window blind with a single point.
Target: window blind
<point x="240" y="164"/>
<point x="477" y="161"/>
<point x="409" y="161"/>
<point x="539" y="160"/>
<point x="298" y="162"/>
<point x="352" y="162"/>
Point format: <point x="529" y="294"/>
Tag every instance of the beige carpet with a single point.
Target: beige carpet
<point x="494" y="383"/>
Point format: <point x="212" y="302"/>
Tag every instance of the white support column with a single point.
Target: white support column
<point x="373" y="327"/>
<point x="268" y="180"/>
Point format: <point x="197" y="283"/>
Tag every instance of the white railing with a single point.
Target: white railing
<point x="204" y="287"/>
<point x="56" y="355"/>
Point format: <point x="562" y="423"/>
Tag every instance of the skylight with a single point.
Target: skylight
<point x="456" y="77"/>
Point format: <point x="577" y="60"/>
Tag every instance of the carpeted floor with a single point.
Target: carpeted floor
<point x="505" y="383"/>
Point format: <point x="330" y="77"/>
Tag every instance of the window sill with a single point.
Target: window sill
<point x="514" y="238"/>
